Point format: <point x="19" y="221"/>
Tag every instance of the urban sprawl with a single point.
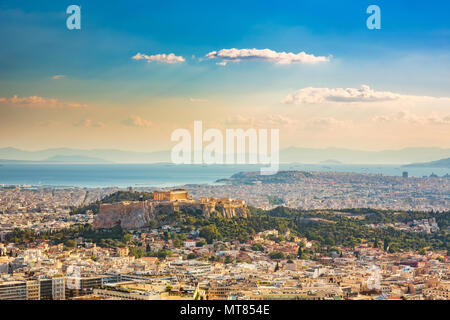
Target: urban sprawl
<point x="295" y="235"/>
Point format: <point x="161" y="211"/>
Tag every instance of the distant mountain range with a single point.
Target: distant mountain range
<point x="288" y="155"/>
<point x="330" y="161"/>
<point x="443" y="163"/>
<point x="349" y="156"/>
<point x="75" y="159"/>
<point x="58" y="160"/>
<point x="67" y="155"/>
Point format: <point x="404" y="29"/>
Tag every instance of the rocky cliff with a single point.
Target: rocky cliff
<point x="129" y="215"/>
<point x="138" y="214"/>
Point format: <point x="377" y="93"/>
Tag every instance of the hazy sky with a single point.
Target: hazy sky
<point x="137" y="70"/>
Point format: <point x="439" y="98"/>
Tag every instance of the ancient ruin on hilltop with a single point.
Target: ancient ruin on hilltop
<point x="138" y="214"/>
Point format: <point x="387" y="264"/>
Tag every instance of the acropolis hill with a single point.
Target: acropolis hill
<point x="139" y="214"/>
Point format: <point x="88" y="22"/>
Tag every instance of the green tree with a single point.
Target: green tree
<point x="210" y="233"/>
<point x="228" y="259"/>
<point x="191" y="256"/>
<point x="200" y="243"/>
<point x="70" y="243"/>
<point x="127" y="237"/>
<point x="257" y="247"/>
<point x="276" y="255"/>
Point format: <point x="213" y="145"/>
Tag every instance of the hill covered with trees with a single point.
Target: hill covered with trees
<point x="348" y="227"/>
<point x="112" y="198"/>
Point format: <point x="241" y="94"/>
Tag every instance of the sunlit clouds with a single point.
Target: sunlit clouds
<point x="361" y="95"/>
<point x="137" y="121"/>
<point x="163" y="58"/>
<point x="228" y="55"/>
<point x="39" y="102"/>
<point x="88" y="123"/>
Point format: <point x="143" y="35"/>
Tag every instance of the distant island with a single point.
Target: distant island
<point x="443" y="163"/>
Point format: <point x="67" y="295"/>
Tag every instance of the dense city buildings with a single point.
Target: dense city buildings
<point x="103" y="244"/>
<point x="246" y="274"/>
<point x="333" y="190"/>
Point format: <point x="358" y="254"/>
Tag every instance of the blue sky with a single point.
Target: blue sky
<point x="409" y="56"/>
<point x="37" y="40"/>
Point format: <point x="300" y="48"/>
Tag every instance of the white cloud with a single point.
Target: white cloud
<point x="58" y="77"/>
<point x="382" y="119"/>
<point x="279" y="120"/>
<point x="404" y="116"/>
<point x="136" y="121"/>
<point x="325" y="95"/>
<point x="326" y="122"/>
<point x="164" y="58"/>
<point x="363" y="94"/>
<point x="193" y="100"/>
<point x="239" y="120"/>
<point x="269" y="121"/>
<point x="39" y="102"/>
<point x="266" y="55"/>
<point x="88" y="123"/>
<point x="47" y="123"/>
<point x="411" y="118"/>
<point x="439" y="120"/>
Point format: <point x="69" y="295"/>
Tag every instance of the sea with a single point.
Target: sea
<point x="168" y="175"/>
